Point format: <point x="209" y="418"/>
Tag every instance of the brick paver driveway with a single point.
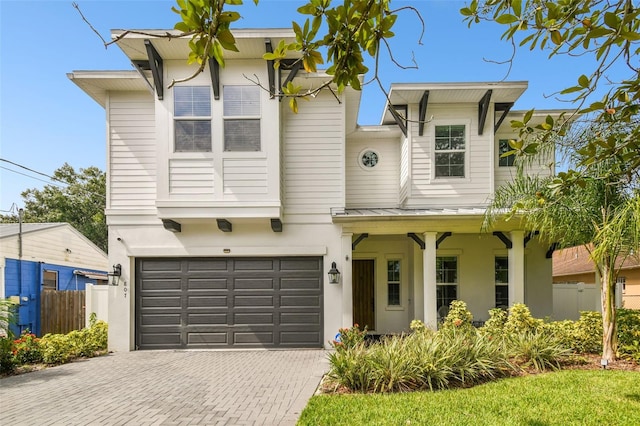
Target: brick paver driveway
<point x="167" y="388"/>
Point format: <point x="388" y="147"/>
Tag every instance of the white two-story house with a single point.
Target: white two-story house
<point x="230" y="215"/>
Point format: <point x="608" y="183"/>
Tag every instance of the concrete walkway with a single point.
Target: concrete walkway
<point x="167" y="388"/>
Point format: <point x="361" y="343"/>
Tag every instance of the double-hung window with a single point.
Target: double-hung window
<point x="450" y="151"/>
<point x="241" y="111"/>
<point x="192" y="118"/>
<point x="446" y="283"/>
<point x="393" y="283"/>
<point x="502" y="281"/>
<point x="50" y="280"/>
<point x="503" y="147"/>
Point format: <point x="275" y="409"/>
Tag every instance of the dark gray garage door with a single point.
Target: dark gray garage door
<point x="223" y="302"/>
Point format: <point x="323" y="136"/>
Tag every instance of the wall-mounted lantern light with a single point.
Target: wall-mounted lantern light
<point x="114" y="277"/>
<point x="334" y="274"/>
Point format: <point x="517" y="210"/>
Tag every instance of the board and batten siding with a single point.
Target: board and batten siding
<point x="132" y="150"/>
<point x="313" y="143"/>
<point x="472" y="190"/>
<point x="377" y="186"/>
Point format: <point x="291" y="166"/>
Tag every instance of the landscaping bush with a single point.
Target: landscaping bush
<point x="7" y="360"/>
<point x="27" y="349"/>
<point x="350" y="368"/>
<point x="538" y="349"/>
<point x="459" y="316"/>
<point x="520" y="320"/>
<point x="629" y="334"/>
<point x="56" y="349"/>
<point x="494" y="326"/>
<point x="348" y="338"/>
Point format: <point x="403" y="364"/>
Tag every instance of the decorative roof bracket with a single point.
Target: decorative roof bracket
<point x="529" y="236"/>
<point x="483" y="109"/>
<point x="553" y="248"/>
<point x="504" y="108"/>
<point x="399" y="120"/>
<point x="214" y="69"/>
<point x="271" y="71"/>
<point x="358" y="240"/>
<point x="507" y="242"/>
<point x="156" y="66"/>
<point x="422" y="112"/>
<point x="417" y="239"/>
<point x="442" y="237"/>
<point x="141" y="67"/>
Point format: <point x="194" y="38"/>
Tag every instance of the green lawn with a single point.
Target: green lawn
<point x="567" y="397"/>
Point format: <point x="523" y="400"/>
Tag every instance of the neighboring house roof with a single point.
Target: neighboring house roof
<point x="575" y="260"/>
<point x="13" y="229"/>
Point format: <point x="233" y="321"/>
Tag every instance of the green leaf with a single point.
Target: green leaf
<point x="293" y="105"/>
<point x="506" y="19"/>
<point x="583" y="81"/>
<point x="611" y="20"/>
<point x="556" y="37"/>
<point x="527" y="116"/>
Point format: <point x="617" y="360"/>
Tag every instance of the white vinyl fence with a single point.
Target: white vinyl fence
<point x="571" y="298"/>
<point x="96" y="300"/>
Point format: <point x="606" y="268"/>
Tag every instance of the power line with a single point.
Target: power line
<point x="29" y="176"/>
<point x="52" y="178"/>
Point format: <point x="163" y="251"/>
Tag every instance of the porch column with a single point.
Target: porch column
<point x="516" y="268"/>
<point x="429" y="276"/>
<point x="347" y="285"/>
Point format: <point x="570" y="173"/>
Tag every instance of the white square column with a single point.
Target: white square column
<point x="516" y="268"/>
<point x="429" y="276"/>
<point x="346" y="280"/>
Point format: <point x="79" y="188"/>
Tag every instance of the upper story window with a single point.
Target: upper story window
<point x="241" y="111"/>
<point x="503" y="146"/>
<point x="450" y="151"/>
<point x="192" y="118"/>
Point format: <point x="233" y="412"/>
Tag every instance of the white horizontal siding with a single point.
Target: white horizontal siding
<point x="50" y="246"/>
<point x="475" y="187"/>
<point x="245" y="178"/>
<point x="313" y="142"/>
<point x="191" y="176"/>
<point x="379" y="185"/>
<point x="132" y="150"/>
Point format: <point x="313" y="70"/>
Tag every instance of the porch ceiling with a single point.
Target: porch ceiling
<point x="386" y="221"/>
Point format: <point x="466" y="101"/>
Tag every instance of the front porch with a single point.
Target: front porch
<point x="392" y="276"/>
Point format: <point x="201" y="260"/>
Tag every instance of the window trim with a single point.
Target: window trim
<point x="191" y="118"/>
<point x="398" y="282"/>
<point x="448" y="284"/>
<point x="467" y="138"/>
<point x="510" y="159"/>
<point x="259" y="118"/>
<point x="500" y="284"/>
<point x="57" y="280"/>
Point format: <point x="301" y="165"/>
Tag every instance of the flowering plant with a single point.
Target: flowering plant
<point x="349" y="337"/>
<point x="27" y="349"/>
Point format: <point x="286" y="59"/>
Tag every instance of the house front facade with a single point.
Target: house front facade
<point x="238" y="223"/>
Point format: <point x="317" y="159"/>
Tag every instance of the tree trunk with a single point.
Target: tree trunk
<point x="607" y="293"/>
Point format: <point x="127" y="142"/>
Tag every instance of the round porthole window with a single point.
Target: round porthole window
<point x="369" y="158"/>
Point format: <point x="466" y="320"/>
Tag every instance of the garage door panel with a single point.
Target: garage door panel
<point x="253" y="284"/>
<point x="206" y="319"/>
<point x="206" y="301"/>
<point x="210" y="265"/>
<point x="161" y="302"/>
<point x="300" y="284"/>
<point x="159" y="284"/>
<point x="207" y="284"/>
<point x="301" y="264"/>
<point x="299" y="318"/>
<point x="207" y="339"/>
<point x="300" y="301"/>
<point x="161" y="319"/>
<point x="253" y="300"/>
<point x="226" y="302"/>
<point x="251" y="264"/>
<point x="161" y="265"/>
<point x="253" y="318"/>
<point x="253" y="338"/>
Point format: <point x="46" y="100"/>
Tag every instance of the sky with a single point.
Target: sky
<point x="45" y="120"/>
